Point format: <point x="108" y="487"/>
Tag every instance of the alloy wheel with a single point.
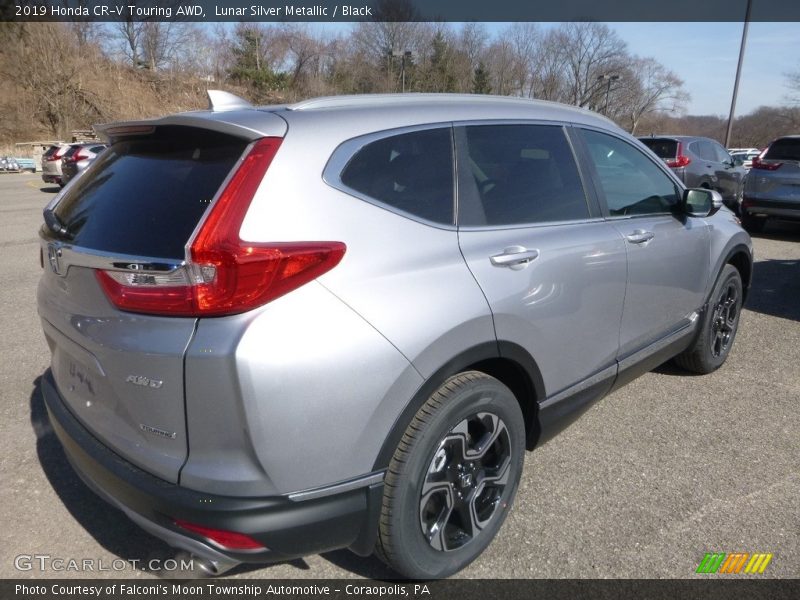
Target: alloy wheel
<point x="465" y="481"/>
<point x="723" y="324"/>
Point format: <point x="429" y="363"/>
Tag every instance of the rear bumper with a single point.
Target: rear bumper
<point x="771" y="208"/>
<point x="48" y="178"/>
<point x="341" y="516"/>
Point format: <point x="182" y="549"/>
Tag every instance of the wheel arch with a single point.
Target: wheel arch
<point x="507" y="362"/>
<point x="740" y="258"/>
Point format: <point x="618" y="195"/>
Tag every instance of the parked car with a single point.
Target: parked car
<point x="772" y="189"/>
<point x="340" y="323"/>
<point x="702" y="163"/>
<point x="745" y="158"/>
<point x="51" y="163"/>
<point x="77" y="158"/>
<point x="738" y="150"/>
<point x="26" y="164"/>
<point x="8" y="164"/>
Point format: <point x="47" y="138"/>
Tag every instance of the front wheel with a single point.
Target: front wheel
<point x="452" y="479"/>
<point x="719" y="326"/>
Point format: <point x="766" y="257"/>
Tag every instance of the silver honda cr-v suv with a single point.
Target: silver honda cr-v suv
<point x="281" y="330"/>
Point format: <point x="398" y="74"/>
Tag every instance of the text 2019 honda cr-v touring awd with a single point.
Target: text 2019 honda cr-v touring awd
<point x="281" y="330"/>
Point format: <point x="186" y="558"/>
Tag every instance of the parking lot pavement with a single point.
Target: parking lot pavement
<point x="643" y="485"/>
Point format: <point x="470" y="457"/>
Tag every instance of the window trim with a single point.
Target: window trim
<point x="589" y="194"/>
<point x="680" y="188"/>
<point x="345" y="152"/>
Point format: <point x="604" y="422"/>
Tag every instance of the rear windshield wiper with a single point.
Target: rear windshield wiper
<point x="53" y="222"/>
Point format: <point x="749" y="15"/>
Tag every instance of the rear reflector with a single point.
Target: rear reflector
<point x="223" y="274"/>
<point x="229" y="540"/>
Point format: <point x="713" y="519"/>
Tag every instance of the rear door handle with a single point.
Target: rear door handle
<point x="516" y="257"/>
<point x="640" y="236"/>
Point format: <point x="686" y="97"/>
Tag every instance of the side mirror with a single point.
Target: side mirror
<point x="737" y="162"/>
<point x="701" y="202"/>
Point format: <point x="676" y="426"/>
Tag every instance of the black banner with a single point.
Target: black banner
<point x="397" y="10"/>
<point x="455" y="589"/>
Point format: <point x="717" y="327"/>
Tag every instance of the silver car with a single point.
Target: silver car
<point x="701" y="162"/>
<point x="772" y="189"/>
<point x="281" y="330"/>
<point x="77" y="158"/>
<point x="51" y="163"/>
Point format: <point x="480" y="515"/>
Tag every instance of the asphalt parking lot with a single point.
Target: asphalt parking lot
<point x="642" y="486"/>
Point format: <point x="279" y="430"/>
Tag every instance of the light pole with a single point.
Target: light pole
<point x="608" y="79"/>
<point x="403" y="56"/>
<point x="738" y="73"/>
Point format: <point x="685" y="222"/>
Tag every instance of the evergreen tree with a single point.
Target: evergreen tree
<point x="480" y="81"/>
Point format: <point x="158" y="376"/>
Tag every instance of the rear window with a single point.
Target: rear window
<point x="72" y="150"/>
<point x="412" y="172"/>
<point x="145" y="196"/>
<point x="784" y="149"/>
<point x="50" y="151"/>
<point x="660" y="147"/>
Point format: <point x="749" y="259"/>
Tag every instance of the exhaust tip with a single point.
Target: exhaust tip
<point x="195" y="566"/>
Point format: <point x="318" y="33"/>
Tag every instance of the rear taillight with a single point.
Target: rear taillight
<point x="80" y="154"/>
<point x="223" y="274"/>
<point x="764" y="166"/>
<point x="230" y="540"/>
<point x="681" y="160"/>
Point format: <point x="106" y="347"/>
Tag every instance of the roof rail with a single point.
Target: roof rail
<point x="387" y="99"/>
<point x="219" y="101"/>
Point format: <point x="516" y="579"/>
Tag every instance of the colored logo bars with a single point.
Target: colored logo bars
<point x="738" y="562"/>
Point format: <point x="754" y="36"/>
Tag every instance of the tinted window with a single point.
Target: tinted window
<point x="145" y="196"/>
<point x="660" y="147"/>
<point x="631" y="182"/>
<point x="72" y="150"/>
<point x="784" y="149"/>
<point x="722" y="155"/>
<point x="412" y="172"/>
<point x="518" y="174"/>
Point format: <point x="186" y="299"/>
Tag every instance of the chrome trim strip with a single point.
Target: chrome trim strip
<point x="337" y="488"/>
<point x="77" y="256"/>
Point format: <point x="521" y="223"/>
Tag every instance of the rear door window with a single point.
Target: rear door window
<point x="145" y="196"/>
<point x="516" y="175"/>
<point x="412" y="172"/>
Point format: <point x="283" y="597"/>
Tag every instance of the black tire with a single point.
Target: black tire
<point x="753" y="224"/>
<point x="718" y="329"/>
<point x="464" y="448"/>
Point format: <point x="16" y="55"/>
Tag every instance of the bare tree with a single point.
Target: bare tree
<point x="589" y="51"/>
<point x="647" y="87"/>
<point x="549" y="79"/>
<point x="793" y="83"/>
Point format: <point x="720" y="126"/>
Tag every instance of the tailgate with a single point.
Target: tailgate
<point x="132" y="213"/>
<point x="120" y="374"/>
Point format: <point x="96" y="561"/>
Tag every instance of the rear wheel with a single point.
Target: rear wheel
<point x="452" y="478"/>
<point x="719" y="326"/>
